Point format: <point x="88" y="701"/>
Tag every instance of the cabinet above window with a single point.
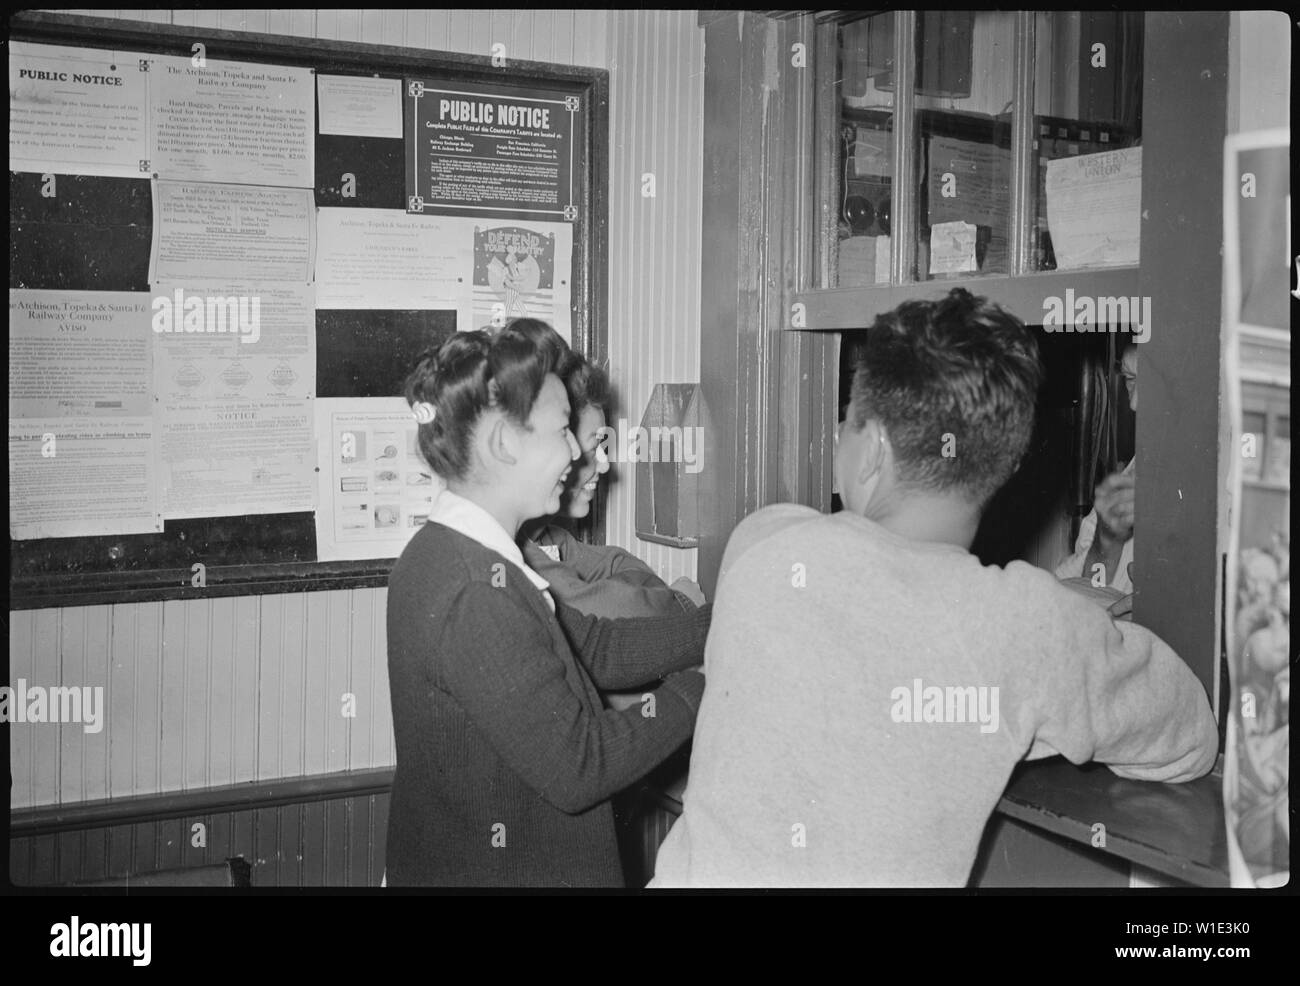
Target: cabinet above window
<point x="980" y="146"/>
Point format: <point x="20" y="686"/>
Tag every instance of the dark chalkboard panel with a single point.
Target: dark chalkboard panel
<point x="91" y="234"/>
<point x="94" y="234"/>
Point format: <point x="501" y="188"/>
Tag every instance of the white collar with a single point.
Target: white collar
<point x="468" y="518"/>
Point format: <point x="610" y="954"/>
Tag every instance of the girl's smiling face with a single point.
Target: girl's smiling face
<point x="593" y="464"/>
<point x="549" y="451"/>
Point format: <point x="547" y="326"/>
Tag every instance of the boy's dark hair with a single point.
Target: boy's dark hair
<point x="473" y="371"/>
<point x="959" y="376"/>
<point x="587" y="384"/>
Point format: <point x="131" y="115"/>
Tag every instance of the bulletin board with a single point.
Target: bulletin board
<point x="360" y="202"/>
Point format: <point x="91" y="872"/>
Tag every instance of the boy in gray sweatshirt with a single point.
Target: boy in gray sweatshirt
<point x="869" y="684"/>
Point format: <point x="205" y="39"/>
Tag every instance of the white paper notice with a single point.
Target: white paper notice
<point x="488" y="273"/>
<point x="379" y="258"/>
<point x="952" y="248"/>
<point x="232" y="122"/>
<point x="276" y="361"/>
<point x="359" y="106"/>
<point x="229" y="458"/>
<point x="208" y="232"/>
<point x="77" y="111"/>
<point x="1094" y="205"/>
<point x="375" y="491"/>
<point x="83" y="354"/>
<point x="81" y="441"/>
<point x="77" y="477"/>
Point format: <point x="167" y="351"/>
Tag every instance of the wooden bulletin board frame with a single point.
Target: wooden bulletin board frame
<point x="272" y="553"/>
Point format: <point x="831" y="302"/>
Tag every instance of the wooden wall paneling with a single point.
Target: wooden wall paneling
<point x="312" y="847"/>
<point x="94" y="854"/>
<point x="358" y="843"/>
<point x="219" y="733"/>
<point x="42" y="866"/>
<point x="656" y="127"/>
<point x="266" y="847"/>
<point x="243" y="835"/>
<point x="144" y="847"/>
<point x="68" y="857"/>
<point x="121" y="849"/>
<point x="198" y="647"/>
<point x="96" y="644"/>
<point x="71" y="737"/>
<point x="269" y="690"/>
<point x="47" y="759"/>
<point x="339" y="23"/>
<point x="123" y="697"/>
<point x="336" y="650"/>
<point x="336" y="843"/>
<point x="177" y="617"/>
<point x="22" y="748"/>
<point x="145" y="622"/>
<point x="172" y="840"/>
<point x="366" y="634"/>
<point x="20" y="861"/>
<point x="385" y="26"/>
<point x="291" y="714"/>
<point x="246" y="672"/>
<point x="378" y="839"/>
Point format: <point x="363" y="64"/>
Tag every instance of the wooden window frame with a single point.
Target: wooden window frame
<point x="769" y="348"/>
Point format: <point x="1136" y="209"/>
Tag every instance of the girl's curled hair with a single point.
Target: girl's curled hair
<point x="472" y="372"/>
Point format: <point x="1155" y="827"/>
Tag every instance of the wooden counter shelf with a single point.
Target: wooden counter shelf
<point x="1175" y="830"/>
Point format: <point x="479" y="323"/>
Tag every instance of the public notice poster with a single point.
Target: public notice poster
<point x="78" y="111"/>
<point x="492" y="150"/>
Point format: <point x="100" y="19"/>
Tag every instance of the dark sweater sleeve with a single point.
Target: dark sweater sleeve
<point x="625" y="653"/>
<point x="498" y="663"/>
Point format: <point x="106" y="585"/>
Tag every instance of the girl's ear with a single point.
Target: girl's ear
<point x="499" y="442"/>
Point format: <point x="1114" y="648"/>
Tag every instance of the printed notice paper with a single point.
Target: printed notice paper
<point x="488" y="149"/>
<point x="228" y="458"/>
<point x="488" y="271"/>
<point x="378" y="258"/>
<point x="234" y="407"/>
<point x="204" y="231"/>
<point x="83" y="354"/>
<point x="272" y="359"/>
<point x="952" y="248"/>
<point x="81" y="449"/>
<point x="359" y="106"/>
<point x="81" y="477"/>
<point x="375" y="491"/>
<point x="79" y="111"/>
<point x="1094" y="205"/>
<point x="232" y="122"/>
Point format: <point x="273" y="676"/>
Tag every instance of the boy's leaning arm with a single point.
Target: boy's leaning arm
<point x="1108" y="691"/>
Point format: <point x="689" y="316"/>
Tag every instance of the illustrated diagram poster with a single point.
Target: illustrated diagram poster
<point x="374" y="489"/>
<point x="492" y="150"/>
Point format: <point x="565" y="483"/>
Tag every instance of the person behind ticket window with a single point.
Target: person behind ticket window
<point x="871" y="685"/>
<point x="1103" y="551"/>
<point x="506" y="760"/>
<point x="603" y="581"/>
